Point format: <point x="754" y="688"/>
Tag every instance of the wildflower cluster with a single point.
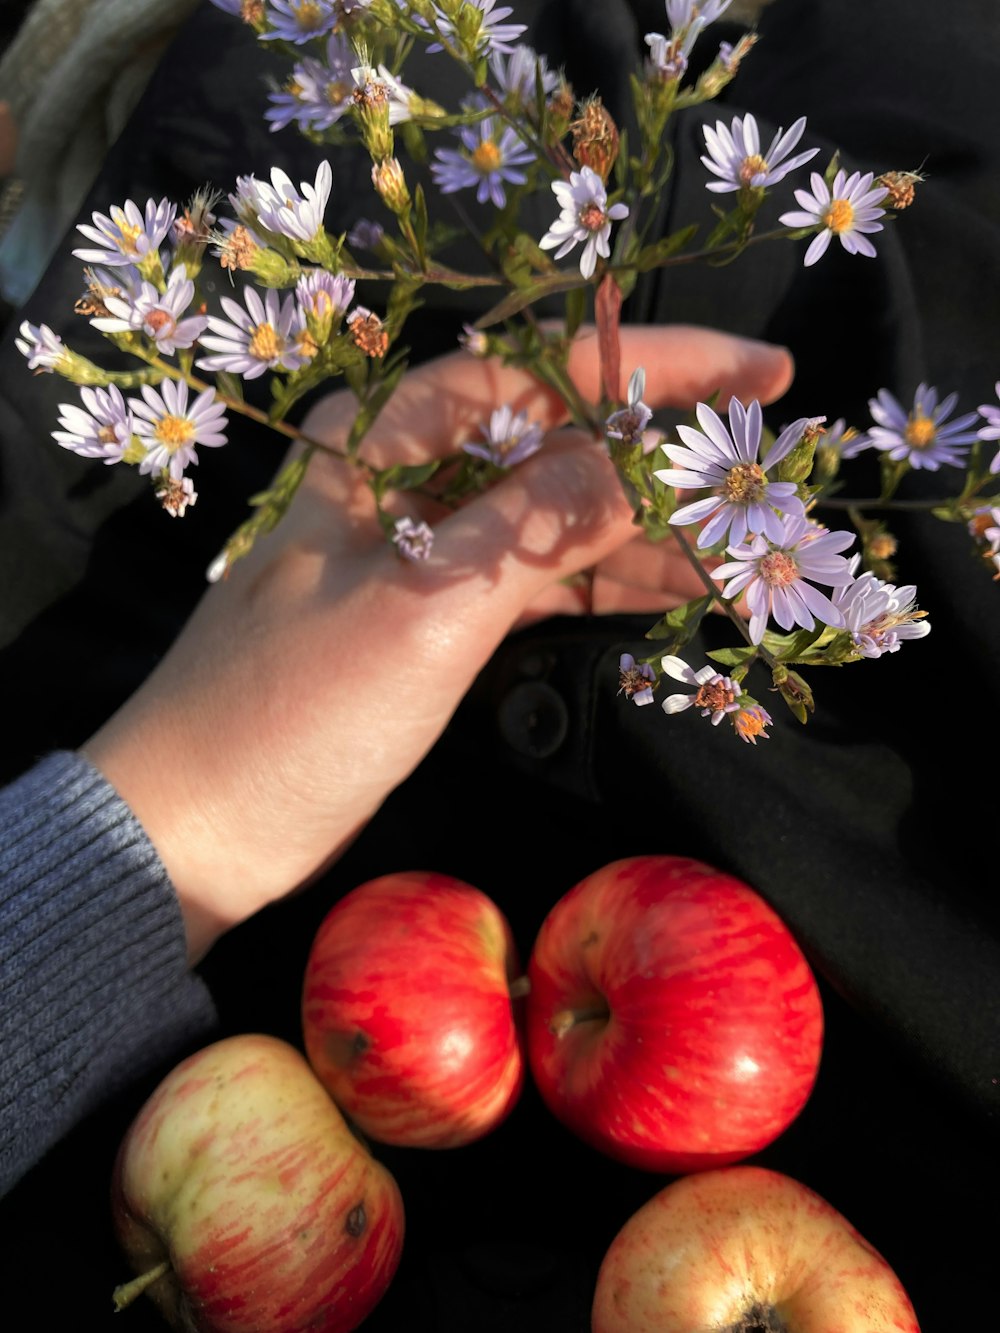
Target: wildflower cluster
<point x="745" y="504"/>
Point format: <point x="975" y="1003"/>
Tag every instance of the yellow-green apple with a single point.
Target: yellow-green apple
<point x="673" y="1022"/>
<point x="742" y="1249"/>
<point x="245" y="1203"/>
<point x="407" y="1010"/>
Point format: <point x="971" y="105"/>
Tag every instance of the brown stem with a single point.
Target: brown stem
<point x="126" y="1292"/>
<point x="561" y="1022"/>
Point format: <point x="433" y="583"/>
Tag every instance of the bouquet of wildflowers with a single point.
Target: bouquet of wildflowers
<point x="745" y="506"/>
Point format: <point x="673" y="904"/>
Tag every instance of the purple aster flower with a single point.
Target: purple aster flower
<point x="299" y="21"/>
<point x="321" y="293"/>
<point x="170" y="428"/>
<point x="281" y="208"/>
<point x="716" y="695"/>
<point x="317" y="95"/>
<point x="628" y="423"/>
<point x="176" y="496"/>
<point x="635" y="680"/>
<point x="412" y="540"/>
<point x="878" y="615"/>
<point x="743" y="499"/>
<point x="509" y="439"/>
<point x="774" y="576"/>
<point x="157" y="314"/>
<point x="750" y="720"/>
<point x="991" y="431"/>
<point x="668" y="56"/>
<point x="847" y="442"/>
<point x="515" y="75"/>
<point x="921" y="436"/>
<point x="43" y="348"/>
<point x="234" y="7"/>
<point x="126" y="236"/>
<point x="735" y="154"/>
<point x="264" y="336"/>
<point x="681" y="13"/>
<point x="365" y="234"/>
<point x="848" y="211"/>
<point x="494" y="35"/>
<point x="102" y="428"/>
<point x="585" y="218"/>
<point x="490" y="156"/>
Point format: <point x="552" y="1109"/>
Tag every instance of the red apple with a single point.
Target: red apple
<point x="672" y="1020"/>
<point x="742" y="1250"/>
<point x="407" y="1011"/>
<point x="245" y="1203"/>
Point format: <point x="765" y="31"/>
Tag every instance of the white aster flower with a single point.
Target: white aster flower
<point x="170" y="428"/>
<point x="264" y="336"/>
<point x="776" y="576"/>
<point x="585" y="218"/>
<point x="734" y="154"/>
<point x="848" y="211"/>
<point x="321" y="293"/>
<point x="378" y="85"/>
<point x="715" y="694"/>
<point x="299" y="21"/>
<point x="102" y="428"/>
<point x="991" y="431"/>
<point x="743" y="499"/>
<point x="43" y="348"/>
<point x="507" y="439"/>
<point x="176" y="496"/>
<point x="681" y="13"/>
<point x="126" y="236"/>
<point x="494" y="35"/>
<point x="878" y="615"/>
<point x="412" y="540"/>
<point x="628" y="423"/>
<point x="281" y="208"/>
<point x="157" y="314"/>
<point x="635" y="680"/>
<point x="515" y="75"/>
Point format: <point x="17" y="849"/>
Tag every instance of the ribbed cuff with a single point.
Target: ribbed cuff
<point x="94" y="983"/>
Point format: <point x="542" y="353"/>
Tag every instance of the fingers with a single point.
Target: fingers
<point x="442" y="404"/>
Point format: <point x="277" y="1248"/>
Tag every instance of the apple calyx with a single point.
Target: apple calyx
<point x="126" y="1292"/>
<point x="758" y="1319"/>
<point x="564" y="1019"/>
<point x="519" y="987"/>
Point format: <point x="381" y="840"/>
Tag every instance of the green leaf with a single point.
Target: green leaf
<point x="576" y="309"/>
<point x="229" y="384"/>
<point x="403" y="478"/>
<point x="733" y="657"/>
<point x="516" y="301"/>
<point x="786" y="646"/>
<point x="679" y="626"/>
<point x="651" y="256"/>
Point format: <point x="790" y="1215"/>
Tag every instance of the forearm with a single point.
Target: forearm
<point x="94" y="983"/>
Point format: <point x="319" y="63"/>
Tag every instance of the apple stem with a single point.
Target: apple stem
<point x="518" y="988"/>
<point x="126" y="1292"/>
<point x="561" y="1022"/>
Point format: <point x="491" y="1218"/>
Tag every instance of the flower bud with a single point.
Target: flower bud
<point x="389" y="181"/>
<point x="595" y="138"/>
<point x="559" y="109"/>
<point x="370" y="100"/>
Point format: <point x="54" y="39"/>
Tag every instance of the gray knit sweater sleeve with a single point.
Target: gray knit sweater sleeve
<point x="94" y="983"/>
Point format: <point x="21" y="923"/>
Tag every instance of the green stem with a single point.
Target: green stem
<point x="712" y="587"/>
<point x="126" y="1292"/>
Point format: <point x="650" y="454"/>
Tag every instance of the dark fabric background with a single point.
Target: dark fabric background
<point x="869" y="830"/>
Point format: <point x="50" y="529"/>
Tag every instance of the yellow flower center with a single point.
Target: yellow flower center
<point x="486" y="157"/>
<point x="265" y="344"/>
<point x="839" y="216"/>
<point x="128" y="234"/>
<point x="749" y="724"/>
<point x="174" y="431"/>
<point x="744" y="483"/>
<point x="750" y="166"/>
<point x="920" y="431"/>
<point x="307" y="14"/>
<point x="778" y="569"/>
<point x="337" y="91"/>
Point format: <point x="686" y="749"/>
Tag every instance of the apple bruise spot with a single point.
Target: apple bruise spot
<point x="344" y="1049"/>
<point x="357" y="1220"/>
<point x="758" y="1319"/>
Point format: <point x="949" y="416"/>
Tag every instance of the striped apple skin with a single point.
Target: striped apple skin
<point x="407" y="1014"/>
<point x="672" y="1020"/>
<point x="241" y="1171"/>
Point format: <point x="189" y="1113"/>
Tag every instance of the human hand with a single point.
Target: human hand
<point x="312" y="681"/>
